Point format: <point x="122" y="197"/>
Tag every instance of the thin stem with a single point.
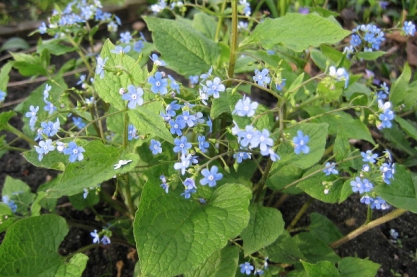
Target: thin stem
<point x="18" y="133"/>
<point x="394" y="214"/>
<point x="300" y="214"/>
<point x="129" y="197"/>
<point x="220" y="22"/>
<point x="368" y="215"/>
<point x="126" y="130"/>
<point x="82" y="56"/>
<point x="233" y="43"/>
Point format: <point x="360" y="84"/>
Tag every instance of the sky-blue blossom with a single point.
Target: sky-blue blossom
<point x="330" y="169"/>
<point x="155" y="147"/>
<point x="244" y="107"/>
<point x="74" y="151"/>
<point x="44" y="148"/>
<point x="100" y="66"/>
<point x="300" y="143"/>
<point x="262" y="77"/>
<point x="159" y="84"/>
<point x="369" y="157"/>
<point x="125" y="37"/>
<point x="246" y="268"/>
<point x="181" y="145"/>
<point x="210" y="176"/>
<point x="134" y="96"/>
<point x="213" y="88"/>
<point x="203" y="144"/>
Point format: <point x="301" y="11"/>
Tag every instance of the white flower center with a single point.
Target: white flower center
<point x="158" y="83"/>
<point x="134" y="96"/>
<point x="211" y="177"/>
<point x="75" y="151"/>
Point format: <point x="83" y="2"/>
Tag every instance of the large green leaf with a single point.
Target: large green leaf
<point x="108" y="87"/>
<point x="402" y="191"/>
<point x="284" y="250"/>
<point x="223" y="263"/>
<point x="30" y="249"/>
<point x="149" y="122"/>
<point x="323" y="228"/>
<point x="265" y="226"/>
<point x="317" y="134"/>
<point x="96" y="167"/>
<point x="355" y="267"/>
<point x="174" y="235"/>
<point x="320" y="269"/>
<point x="399" y="88"/>
<point x="315" y="250"/>
<point x="297" y="31"/>
<point x="205" y="24"/>
<point x="185" y="49"/>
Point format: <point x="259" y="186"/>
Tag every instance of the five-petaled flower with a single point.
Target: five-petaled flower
<point x="75" y="152"/>
<point x="159" y="84"/>
<point x="246" y="268"/>
<point x="300" y="143"/>
<point x="134" y="96"/>
<point x="210" y="176"/>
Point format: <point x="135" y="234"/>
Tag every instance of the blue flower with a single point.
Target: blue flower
<point x="155" y="147"/>
<point x="105" y="240"/>
<point x="49" y="128"/>
<point x="203" y="144"/>
<point x="132" y="132"/>
<point x="393" y="234"/>
<point x="12" y="205"/>
<point x="367" y="186"/>
<point x="181" y="145"/>
<point x="188" y="119"/>
<point x="272" y="155"/>
<point x="75" y="152"/>
<point x="42" y="29"/>
<point x="78" y="122"/>
<point x="138" y="46"/>
<point x="121" y="50"/>
<point x="409" y="28"/>
<point x="244" y="107"/>
<point x="193" y="79"/>
<point x="210" y="176"/>
<point x="245" y="137"/>
<point x="44" y="148"/>
<point x="49" y="107"/>
<point x="300" y="143"/>
<point x="386" y="117"/>
<point x="246" y="268"/>
<point x="340" y="74"/>
<point x="189" y="183"/>
<point x="2" y="95"/>
<point x="85" y="194"/>
<point x="368" y="156"/>
<point x="387" y="171"/>
<point x="355" y="40"/>
<point x="177" y="126"/>
<point x="174" y="85"/>
<point x="240" y="156"/>
<point x="164" y="184"/>
<point x="281" y="85"/>
<point x="184" y="163"/>
<point x="366" y="199"/>
<point x="357" y="185"/>
<point x="100" y="66"/>
<point x="112" y="27"/>
<point x="214" y="87"/>
<point x="262" y="140"/>
<point x="210" y="124"/>
<point x="96" y="237"/>
<point x="134" y="96"/>
<point x="330" y="169"/>
<point x="157" y="61"/>
<point x="187" y="193"/>
<point x="262" y="77"/>
<point x="158" y="83"/>
<point x="379" y="204"/>
<point x="125" y="37"/>
<point x="33" y="116"/>
<point x="204" y="76"/>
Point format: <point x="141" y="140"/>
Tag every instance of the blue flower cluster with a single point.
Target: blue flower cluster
<point x="368" y="36"/>
<point x="409" y="28"/>
<point x="386" y="116"/>
<point x="96" y="238"/>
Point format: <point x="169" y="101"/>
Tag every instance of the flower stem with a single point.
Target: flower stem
<point x="18" y="133"/>
<point x="220" y="22"/>
<point x="394" y="214"/>
<point x="233" y="43"/>
<point x="300" y="214"/>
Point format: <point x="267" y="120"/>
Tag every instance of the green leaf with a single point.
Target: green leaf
<point x="4" y="75"/>
<point x="205" y="24"/>
<point x="53" y="160"/>
<point x="264" y="227"/>
<point x="149" y="122"/>
<point x="323" y="228"/>
<point x="15" y="44"/>
<point x="174" y="235"/>
<point x="402" y="191"/>
<point x="55" y="47"/>
<point x="315" y="250"/>
<point x="399" y="88"/>
<point x="19" y="192"/>
<point x="96" y="167"/>
<point x="29" y="65"/>
<point x="224" y="104"/>
<point x="407" y="126"/>
<point x="284" y="250"/>
<point x="185" y="49"/>
<point x="399" y="139"/>
<point x="79" y="202"/>
<point x="283" y="176"/>
<point x="312" y="185"/>
<point x="297" y="31"/>
<point x="223" y="263"/>
<point x="317" y="134"/>
<point x="6" y="217"/>
<point x="35" y="209"/>
<point x="355" y="267"/>
<point x="320" y="269"/>
<point x="30" y="249"/>
<point x="370" y="56"/>
<point x="108" y="87"/>
<point x="4" y="118"/>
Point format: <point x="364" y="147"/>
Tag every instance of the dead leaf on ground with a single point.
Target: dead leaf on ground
<point x="132" y="254"/>
<point x="119" y="266"/>
<point x="411" y="50"/>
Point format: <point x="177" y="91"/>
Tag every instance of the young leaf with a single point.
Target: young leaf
<point x="400" y="87"/>
<point x="174" y="235"/>
<point x="30" y="249"/>
<point x="297" y="31"/>
<point x="407" y="126"/>
<point x="222" y="263"/>
<point x="185" y="49"/>
<point x="321" y="269"/>
<point x="264" y="227"/>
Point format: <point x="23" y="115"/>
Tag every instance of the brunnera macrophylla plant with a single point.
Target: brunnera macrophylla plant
<point x="169" y="135"/>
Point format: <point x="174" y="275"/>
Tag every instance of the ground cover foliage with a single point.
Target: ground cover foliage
<point x="167" y="134"/>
